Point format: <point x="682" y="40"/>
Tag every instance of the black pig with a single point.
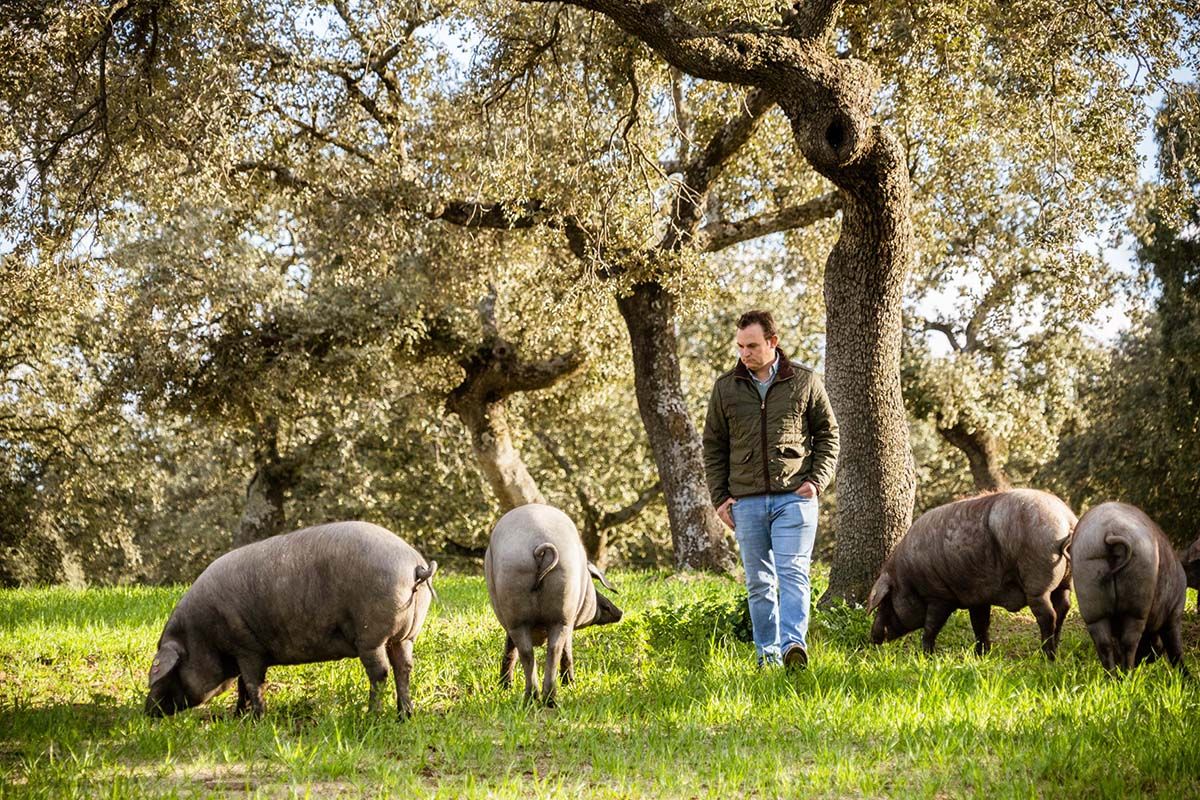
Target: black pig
<point x="333" y="591"/>
<point x="1130" y="586"/>
<point x="1004" y="549"/>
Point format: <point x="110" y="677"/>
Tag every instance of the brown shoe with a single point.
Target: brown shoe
<point x="795" y="657"/>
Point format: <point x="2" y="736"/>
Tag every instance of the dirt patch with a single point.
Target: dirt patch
<point x="240" y="781"/>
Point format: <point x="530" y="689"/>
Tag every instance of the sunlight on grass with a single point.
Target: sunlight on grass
<point x="667" y="703"/>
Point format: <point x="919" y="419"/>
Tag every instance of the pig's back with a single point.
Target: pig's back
<point x="315" y="594"/>
<point x="512" y="569"/>
<point x="949" y="553"/>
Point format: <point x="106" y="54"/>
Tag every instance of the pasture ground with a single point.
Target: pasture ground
<point x="668" y="703"/>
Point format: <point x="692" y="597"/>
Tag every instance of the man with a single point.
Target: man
<point x="770" y="446"/>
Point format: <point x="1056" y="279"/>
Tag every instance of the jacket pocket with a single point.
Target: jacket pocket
<point x="791" y="460"/>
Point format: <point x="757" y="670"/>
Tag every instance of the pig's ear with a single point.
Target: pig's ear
<point x="165" y="661"/>
<point x="879" y="591"/>
<point x="595" y="572"/>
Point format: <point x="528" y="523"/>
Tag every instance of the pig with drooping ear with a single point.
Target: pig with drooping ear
<point x="342" y="590"/>
<point x="998" y="549"/>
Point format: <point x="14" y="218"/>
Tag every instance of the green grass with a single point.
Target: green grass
<point x="667" y="703"/>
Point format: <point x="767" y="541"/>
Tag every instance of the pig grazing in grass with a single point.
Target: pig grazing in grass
<point x="333" y="591"/>
<point x="1130" y="586"/>
<point x="1004" y="549"/>
<point x="540" y="584"/>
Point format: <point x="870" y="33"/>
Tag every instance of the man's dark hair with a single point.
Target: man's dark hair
<point x="758" y="317"/>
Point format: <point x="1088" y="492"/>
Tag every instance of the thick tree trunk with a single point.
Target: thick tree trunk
<point x="699" y="538"/>
<point x="262" y="515"/>
<point x="829" y="102"/>
<point x="983" y="454"/>
<point x="498" y="458"/>
<point x="864" y="277"/>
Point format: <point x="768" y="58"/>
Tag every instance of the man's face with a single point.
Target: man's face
<point x="754" y="349"/>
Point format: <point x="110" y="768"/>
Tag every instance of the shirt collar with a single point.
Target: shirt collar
<point x="774" y="369"/>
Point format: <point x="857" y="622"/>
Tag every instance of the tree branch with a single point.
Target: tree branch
<point x="623" y="515"/>
<point x="530" y="62"/>
<point x="320" y="135"/>
<point x="281" y="174"/>
<point x="528" y="376"/>
<point x="719" y="235"/>
<point x="812" y="19"/>
<point x="827" y="99"/>
<point x="995" y="296"/>
<point x="586" y="502"/>
<point x="515" y="216"/>
<point x="683" y="118"/>
<point x="704" y="168"/>
<point x="731" y="57"/>
<point x="947" y="330"/>
<point x="591" y="510"/>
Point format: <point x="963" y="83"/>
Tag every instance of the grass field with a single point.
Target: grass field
<point x="667" y="703"/>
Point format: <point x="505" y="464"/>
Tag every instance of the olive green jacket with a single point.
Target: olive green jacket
<point x="755" y="446"/>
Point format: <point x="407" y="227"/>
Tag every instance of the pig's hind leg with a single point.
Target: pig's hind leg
<point x="524" y="641"/>
<point x="568" y="662"/>
<point x="1060" y="599"/>
<point x="1106" y="643"/>
<point x="1132" y="629"/>
<point x="1149" y="648"/>
<point x="400" y="654"/>
<point x="1043" y="612"/>
<point x="508" y="662"/>
<point x="374" y="661"/>
<point x="1172" y="637"/>
<point x="556" y="641"/>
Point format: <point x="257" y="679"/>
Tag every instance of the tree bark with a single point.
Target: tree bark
<point x="983" y="454"/>
<point x="497" y="456"/>
<point x="864" y="278"/>
<point x="493" y="371"/>
<point x="263" y="513"/>
<point x="700" y="540"/>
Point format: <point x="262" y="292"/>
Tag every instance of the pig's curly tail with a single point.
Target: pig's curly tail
<point x="539" y="555"/>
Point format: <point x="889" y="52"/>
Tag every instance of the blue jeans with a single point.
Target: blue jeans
<point x="775" y="534"/>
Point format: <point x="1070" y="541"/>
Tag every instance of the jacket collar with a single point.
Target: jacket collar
<point x="784" y="372"/>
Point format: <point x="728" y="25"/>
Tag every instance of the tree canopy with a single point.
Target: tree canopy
<point x="290" y="234"/>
